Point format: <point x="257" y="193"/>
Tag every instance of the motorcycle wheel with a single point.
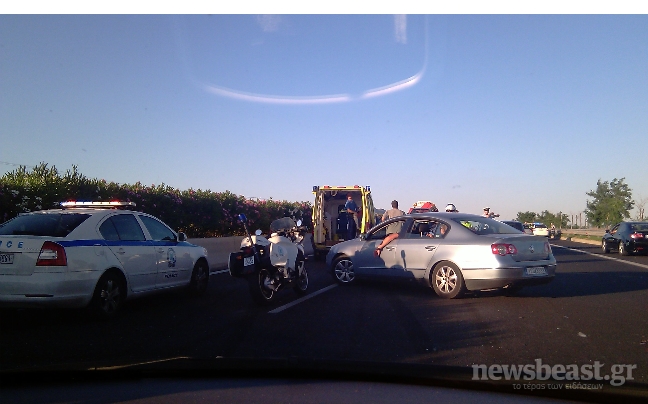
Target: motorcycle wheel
<point x="260" y="290"/>
<point x="302" y="282"/>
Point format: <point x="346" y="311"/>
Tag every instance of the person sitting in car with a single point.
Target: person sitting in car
<point x="393" y="229"/>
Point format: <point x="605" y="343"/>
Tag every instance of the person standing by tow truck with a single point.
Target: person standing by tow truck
<point x="351" y="209"/>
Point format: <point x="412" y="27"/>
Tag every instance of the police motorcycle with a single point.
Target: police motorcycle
<point x="273" y="263"/>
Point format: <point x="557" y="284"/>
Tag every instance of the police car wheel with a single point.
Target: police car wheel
<point x="199" y="279"/>
<point x="109" y="295"/>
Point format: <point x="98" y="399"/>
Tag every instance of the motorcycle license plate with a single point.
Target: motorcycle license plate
<point x="247" y="261"/>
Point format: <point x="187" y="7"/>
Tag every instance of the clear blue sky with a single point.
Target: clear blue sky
<point x="517" y="112"/>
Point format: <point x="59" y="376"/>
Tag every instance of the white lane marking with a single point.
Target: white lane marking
<point x="604" y="256"/>
<point x="301" y="299"/>
<point x="222" y="271"/>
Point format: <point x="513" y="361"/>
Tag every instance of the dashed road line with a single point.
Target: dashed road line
<point x="301" y="299"/>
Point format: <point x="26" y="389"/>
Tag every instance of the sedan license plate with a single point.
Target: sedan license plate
<point x="247" y="261"/>
<point x="6" y="258"/>
<point x="536" y="271"/>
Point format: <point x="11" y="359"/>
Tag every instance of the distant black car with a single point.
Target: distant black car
<point x="514" y="224"/>
<point x="626" y="237"/>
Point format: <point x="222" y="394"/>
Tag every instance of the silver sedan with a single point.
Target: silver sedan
<point x="450" y="252"/>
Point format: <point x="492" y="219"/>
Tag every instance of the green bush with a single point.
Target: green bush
<point x="199" y="213"/>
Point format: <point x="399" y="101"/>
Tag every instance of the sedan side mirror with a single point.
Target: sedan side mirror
<point x="363" y="236"/>
<point x="607" y="231"/>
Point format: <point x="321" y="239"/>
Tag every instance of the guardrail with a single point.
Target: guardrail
<point x="585" y="232"/>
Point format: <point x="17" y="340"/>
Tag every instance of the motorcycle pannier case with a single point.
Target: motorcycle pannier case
<point x="237" y="267"/>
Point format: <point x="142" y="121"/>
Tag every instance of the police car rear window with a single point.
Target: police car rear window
<point x="48" y="225"/>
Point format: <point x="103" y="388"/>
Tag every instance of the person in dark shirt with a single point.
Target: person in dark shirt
<point x="351" y="209"/>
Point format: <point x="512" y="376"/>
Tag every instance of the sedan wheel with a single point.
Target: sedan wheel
<point x="447" y="281"/>
<point x="622" y="249"/>
<point x="343" y="270"/>
<point x="605" y="247"/>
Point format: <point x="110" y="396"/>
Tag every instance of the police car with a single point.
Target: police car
<point x="94" y="254"/>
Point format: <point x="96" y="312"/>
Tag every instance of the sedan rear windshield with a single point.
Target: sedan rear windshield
<point x="40" y="224"/>
<point x="485" y="226"/>
<point x="639" y="226"/>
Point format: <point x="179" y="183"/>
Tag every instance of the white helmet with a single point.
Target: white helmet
<point x="451" y="208"/>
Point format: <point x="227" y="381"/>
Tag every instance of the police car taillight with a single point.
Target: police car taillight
<point x="51" y="254"/>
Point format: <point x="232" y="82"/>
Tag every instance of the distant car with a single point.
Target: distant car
<point x="518" y="225"/>
<point x="627" y="238"/>
<point x="450" y="252"/>
<point x="88" y="255"/>
<point x="540" y="229"/>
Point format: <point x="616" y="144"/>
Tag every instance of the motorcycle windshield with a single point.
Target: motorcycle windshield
<point x="282" y="224"/>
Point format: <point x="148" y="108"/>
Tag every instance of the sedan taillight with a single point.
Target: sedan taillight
<point x="637" y="235"/>
<point x="51" y="254"/>
<point x="503" y="249"/>
<point x="547" y="247"/>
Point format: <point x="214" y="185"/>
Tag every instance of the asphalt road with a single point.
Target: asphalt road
<point x="594" y="310"/>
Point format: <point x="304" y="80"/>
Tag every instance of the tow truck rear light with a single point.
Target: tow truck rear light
<point x="51" y="254"/>
<point x="503" y="249"/>
<point x="637" y="235"/>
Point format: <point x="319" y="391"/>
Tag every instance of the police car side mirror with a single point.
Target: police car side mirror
<point x="182" y="237"/>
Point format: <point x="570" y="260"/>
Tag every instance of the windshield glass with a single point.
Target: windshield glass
<point x="284" y="223"/>
<point x="484" y="226"/>
<point x="52" y="225"/>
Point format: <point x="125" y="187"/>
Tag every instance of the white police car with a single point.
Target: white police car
<point x="91" y="253"/>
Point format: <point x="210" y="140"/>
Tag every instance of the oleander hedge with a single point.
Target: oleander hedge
<point x="198" y="213"/>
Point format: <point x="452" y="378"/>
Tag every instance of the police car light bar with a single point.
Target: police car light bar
<point x="93" y="204"/>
